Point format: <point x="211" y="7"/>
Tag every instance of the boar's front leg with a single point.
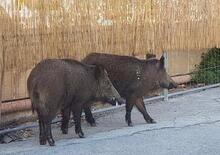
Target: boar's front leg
<point x="129" y="106"/>
<point x="77" y="112"/>
<point x="65" y="112"/>
<point x="88" y="115"/>
<point x="141" y="107"/>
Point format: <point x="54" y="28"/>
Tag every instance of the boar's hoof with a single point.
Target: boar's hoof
<point x="93" y="124"/>
<point x="151" y="121"/>
<point x="65" y="131"/>
<point x="81" y="135"/>
<point x="130" y="124"/>
<point x="51" y="142"/>
<point x="43" y="142"/>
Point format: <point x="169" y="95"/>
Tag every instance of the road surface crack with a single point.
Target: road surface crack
<point x="175" y="127"/>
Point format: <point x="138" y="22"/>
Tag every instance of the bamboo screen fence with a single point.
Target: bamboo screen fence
<point x="32" y="30"/>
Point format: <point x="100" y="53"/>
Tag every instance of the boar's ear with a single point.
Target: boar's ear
<point x="162" y="61"/>
<point x="149" y="55"/>
<point x="99" y="71"/>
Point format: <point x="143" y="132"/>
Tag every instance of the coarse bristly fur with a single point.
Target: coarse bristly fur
<point x="66" y="85"/>
<point x="133" y="78"/>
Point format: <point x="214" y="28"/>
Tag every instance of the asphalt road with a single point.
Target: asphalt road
<point x="188" y="125"/>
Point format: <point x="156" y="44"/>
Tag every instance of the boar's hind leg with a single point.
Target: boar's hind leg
<point x="141" y="107"/>
<point x="65" y="120"/>
<point x="42" y="137"/>
<point x="77" y="111"/>
<point x="48" y="133"/>
<point x="89" y="117"/>
<point x="129" y="107"/>
<point x="45" y="130"/>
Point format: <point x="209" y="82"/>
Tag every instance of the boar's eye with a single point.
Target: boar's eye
<point x="107" y="83"/>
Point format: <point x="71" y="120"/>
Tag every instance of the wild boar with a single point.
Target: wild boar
<point x="133" y="78"/>
<point x="68" y="86"/>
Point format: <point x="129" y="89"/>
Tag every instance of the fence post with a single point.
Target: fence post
<point x="2" y="55"/>
<point x="165" y="91"/>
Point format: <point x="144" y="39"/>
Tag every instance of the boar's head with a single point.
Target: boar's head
<point x="106" y="91"/>
<point x="158" y="73"/>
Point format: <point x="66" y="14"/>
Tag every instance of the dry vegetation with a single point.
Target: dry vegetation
<point x="74" y="28"/>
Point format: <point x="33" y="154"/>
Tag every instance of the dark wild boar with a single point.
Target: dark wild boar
<point x="134" y="78"/>
<point x="69" y="86"/>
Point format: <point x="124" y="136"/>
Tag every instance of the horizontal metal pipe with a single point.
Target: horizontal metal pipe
<point x="17" y="99"/>
<point x="22" y="127"/>
<point x="11" y="107"/>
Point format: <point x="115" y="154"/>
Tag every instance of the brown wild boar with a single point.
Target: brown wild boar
<point x="133" y="78"/>
<point x="69" y="86"/>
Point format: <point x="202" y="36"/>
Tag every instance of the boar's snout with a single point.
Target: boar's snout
<point x="168" y="84"/>
<point x="172" y="85"/>
<point x="116" y="97"/>
<point x="114" y="100"/>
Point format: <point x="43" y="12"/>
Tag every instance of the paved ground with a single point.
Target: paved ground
<point x="187" y="125"/>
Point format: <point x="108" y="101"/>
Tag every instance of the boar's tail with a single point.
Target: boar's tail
<point x="32" y="107"/>
<point x="34" y="101"/>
